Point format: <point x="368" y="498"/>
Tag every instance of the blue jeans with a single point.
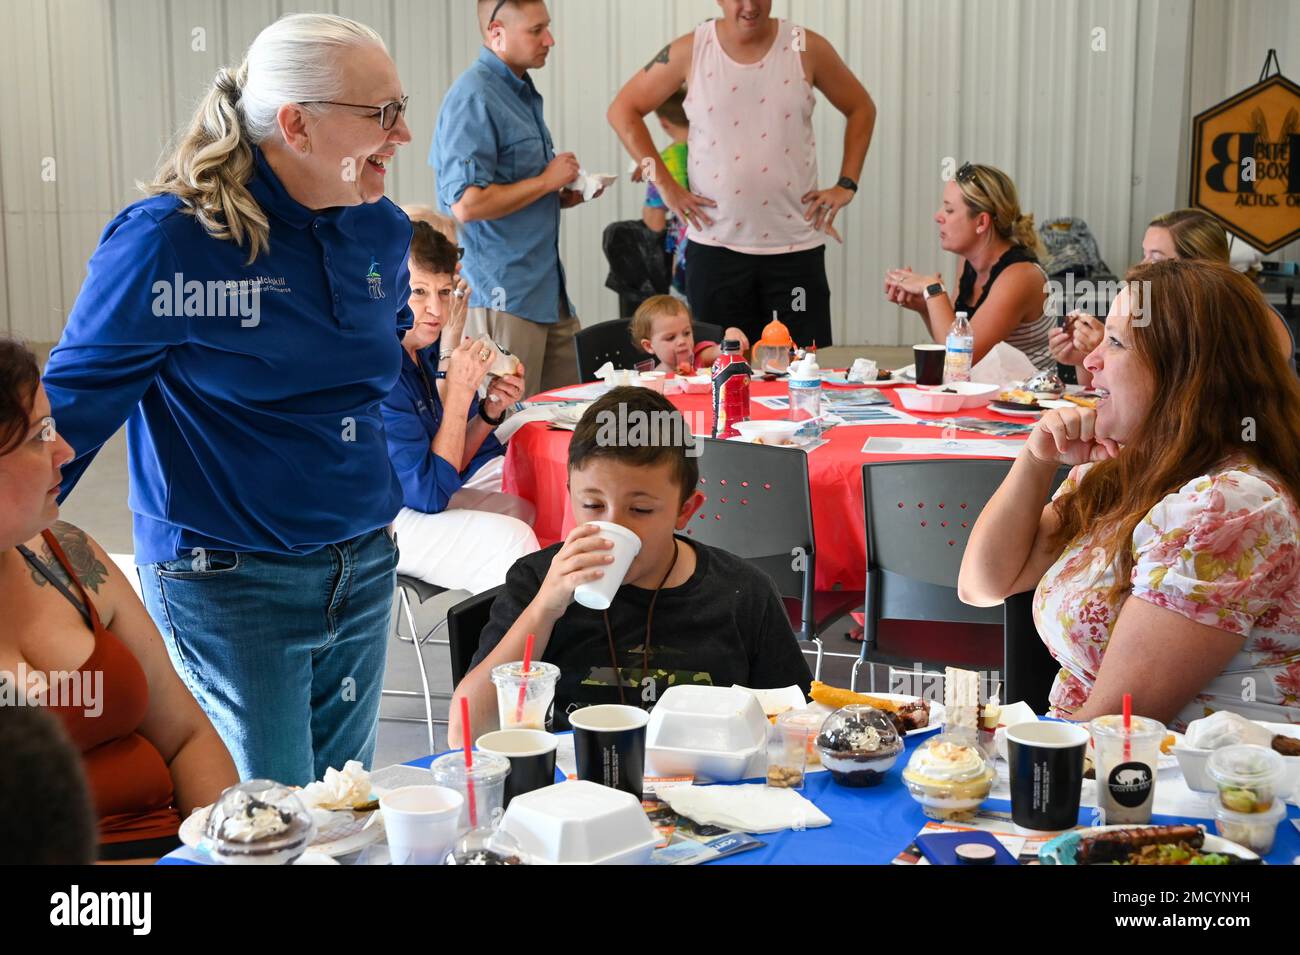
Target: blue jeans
<point x="285" y="654"/>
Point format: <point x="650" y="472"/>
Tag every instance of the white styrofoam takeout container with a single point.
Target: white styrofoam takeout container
<point x="709" y="732"/>
<point x="581" y="823"/>
<point x="1194" y="762"/>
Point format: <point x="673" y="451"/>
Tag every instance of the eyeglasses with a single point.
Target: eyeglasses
<point x="386" y="114"/>
<point x="966" y="173"/>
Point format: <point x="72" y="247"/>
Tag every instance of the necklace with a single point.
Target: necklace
<point x="645" y="644"/>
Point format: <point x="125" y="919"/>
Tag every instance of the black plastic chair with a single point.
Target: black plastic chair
<point x="707" y="332"/>
<point x="758" y="507"/>
<point x="919" y="516"/>
<point x="465" y="624"/>
<point x="1028" y="670"/>
<point x="605" y="341"/>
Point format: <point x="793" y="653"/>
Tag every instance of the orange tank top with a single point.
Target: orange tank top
<point x="129" y="781"/>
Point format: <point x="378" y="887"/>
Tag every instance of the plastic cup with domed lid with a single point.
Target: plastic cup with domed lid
<point x="598" y="594"/>
<point x="536" y="687"/>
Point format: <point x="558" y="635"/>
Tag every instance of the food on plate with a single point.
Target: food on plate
<point x="859" y="744"/>
<point x="783" y="443"/>
<point x="258" y="823"/>
<point x="950" y="777"/>
<point x="1286" y="745"/>
<point x="911" y="715"/>
<point x="685" y="368"/>
<point x="1152" y="845"/>
<point x="1167" y="743"/>
<point x="1018" y="396"/>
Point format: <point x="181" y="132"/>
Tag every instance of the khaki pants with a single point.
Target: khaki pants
<point x="547" y="351"/>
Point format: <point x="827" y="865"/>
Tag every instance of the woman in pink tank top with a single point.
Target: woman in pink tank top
<point x="757" y="217"/>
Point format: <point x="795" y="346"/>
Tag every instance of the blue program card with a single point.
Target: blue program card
<point x="940" y="848"/>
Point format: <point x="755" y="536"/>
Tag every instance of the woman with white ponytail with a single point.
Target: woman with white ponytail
<point x="244" y="318"/>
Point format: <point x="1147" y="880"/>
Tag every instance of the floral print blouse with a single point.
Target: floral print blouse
<point x="1223" y="550"/>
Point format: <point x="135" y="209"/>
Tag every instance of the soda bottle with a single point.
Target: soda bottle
<point x="730" y="390"/>
<point x="961" y="350"/>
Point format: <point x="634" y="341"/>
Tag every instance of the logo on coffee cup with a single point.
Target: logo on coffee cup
<point x="1130" y="784"/>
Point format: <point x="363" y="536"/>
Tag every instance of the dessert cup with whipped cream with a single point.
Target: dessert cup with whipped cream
<point x="858" y="744"/>
<point x="258" y="822"/>
<point x="950" y="776"/>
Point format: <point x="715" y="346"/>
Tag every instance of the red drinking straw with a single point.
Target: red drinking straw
<point x="469" y="762"/>
<point x="1128" y="726"/>
<point x="523" y="686"/>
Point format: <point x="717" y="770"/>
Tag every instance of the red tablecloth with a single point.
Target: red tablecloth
<point x="536" y="470"/>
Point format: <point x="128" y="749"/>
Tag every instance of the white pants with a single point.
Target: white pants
<point x="471" y="544"/>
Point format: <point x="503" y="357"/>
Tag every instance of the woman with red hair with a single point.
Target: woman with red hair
<point x="1168" y="563"/>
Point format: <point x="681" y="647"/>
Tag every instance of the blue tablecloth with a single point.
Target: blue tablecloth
<point x="871" y="826"/>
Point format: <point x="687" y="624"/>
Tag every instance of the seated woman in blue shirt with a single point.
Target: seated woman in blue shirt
<point x="456" y="529"/>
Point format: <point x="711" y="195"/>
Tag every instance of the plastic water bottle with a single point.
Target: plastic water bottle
<point x="961" y="351"/>
<point x="730" y="390"/>
<point x="805" y="389"/>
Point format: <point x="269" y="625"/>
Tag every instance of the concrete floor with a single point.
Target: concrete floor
<point x="98" y="505"/>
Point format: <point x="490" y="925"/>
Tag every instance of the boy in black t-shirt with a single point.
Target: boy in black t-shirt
<point x="717" y="620"/>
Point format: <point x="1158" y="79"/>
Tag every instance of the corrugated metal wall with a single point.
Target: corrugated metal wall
<point x="93" y="89"/>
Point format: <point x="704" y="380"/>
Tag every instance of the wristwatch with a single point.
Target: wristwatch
<point x="494" y="422"/>
<point x="934" y="289"/>
<point x="847" y="183"/>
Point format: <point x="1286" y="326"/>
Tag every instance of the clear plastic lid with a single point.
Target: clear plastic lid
<point x="949" y="758"/>
<point x="486" y="846"/>
<point x="450" y="770"/>
<point x="259" y="812"/>
<point x="859" y="729"/>
<point x="513" y="673"/>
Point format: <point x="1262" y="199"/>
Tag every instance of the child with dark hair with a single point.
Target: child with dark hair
<point x="456" y="528"/>
<point x="46" y="816"/>
<point x="685" y="613"/>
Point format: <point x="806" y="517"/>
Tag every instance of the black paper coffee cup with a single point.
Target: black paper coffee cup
<point x="1046" y="761"/>
<point x="532" y="758"/>
<point x="929" y="360"/>
<point x="609" y="743"/>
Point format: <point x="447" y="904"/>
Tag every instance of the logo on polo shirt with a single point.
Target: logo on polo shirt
<point x="374" y="279"/>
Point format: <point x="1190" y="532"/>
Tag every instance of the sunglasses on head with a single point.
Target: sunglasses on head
<point x="965" y="173"/>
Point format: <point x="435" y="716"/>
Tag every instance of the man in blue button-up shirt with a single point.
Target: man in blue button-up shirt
<point x="499" y="175"/>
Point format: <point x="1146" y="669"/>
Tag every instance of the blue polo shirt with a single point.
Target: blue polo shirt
<point x="491" y="131"/>
<point x="412" y="415"/>
<point x="253" y="419"/>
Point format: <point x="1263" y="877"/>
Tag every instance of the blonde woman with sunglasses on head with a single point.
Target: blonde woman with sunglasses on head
<point x="1002" y="288"/>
